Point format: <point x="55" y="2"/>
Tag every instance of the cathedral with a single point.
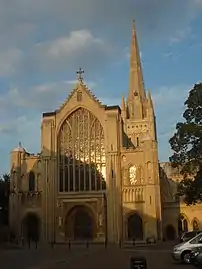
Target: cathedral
<point x="98" y="176"/>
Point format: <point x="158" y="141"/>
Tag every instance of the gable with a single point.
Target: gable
<point x="79" y="94"/>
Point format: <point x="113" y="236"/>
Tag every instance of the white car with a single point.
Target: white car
<point x="182" y="251"/>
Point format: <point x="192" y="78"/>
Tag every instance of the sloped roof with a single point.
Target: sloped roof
<point x="83" y="87"/>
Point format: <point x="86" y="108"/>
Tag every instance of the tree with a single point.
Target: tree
<point x="4" y="198"/>
<point x="187" y="147"/>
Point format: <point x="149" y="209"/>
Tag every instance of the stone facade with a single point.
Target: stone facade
<point x="97" y="175"/>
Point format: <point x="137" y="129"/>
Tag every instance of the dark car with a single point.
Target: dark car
<point x="196" y="257"/>
<point x="188" y="235"/>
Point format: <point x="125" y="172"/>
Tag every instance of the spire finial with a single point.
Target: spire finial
<point x="79" y="75"/>
<point x="20" y="144"/>
<point x="133" y="25"/>
<point x="136" y="87"/>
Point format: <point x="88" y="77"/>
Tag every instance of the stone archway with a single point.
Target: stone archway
<point x="170" y="232"/>
<point x="31" y="227"/>
<point x="80" y="223"/>
<point x="135" y="227"/>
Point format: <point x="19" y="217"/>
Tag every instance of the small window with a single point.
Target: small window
<point x="138" y="142"/>
<point x="31" y="181"/>
<point x="79" y="96"/>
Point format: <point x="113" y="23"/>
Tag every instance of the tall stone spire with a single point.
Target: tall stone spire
<point x="136" y="84"/>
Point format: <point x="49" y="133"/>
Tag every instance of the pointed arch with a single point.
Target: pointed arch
<point x="81" y="153"/>
<point x="134" y="224"/>
<point x="195" y="224"/>
<point x="182" y="223"/>
<point x="31" y="179"/>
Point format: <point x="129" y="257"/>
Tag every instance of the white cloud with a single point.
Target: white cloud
<point x="175" y="95"/>
<point x="89" y="84"/>
<point x="169" y="107"/>
<point x="76" y="41"/>
<point x="79" y="48"/>
<point x="9" y="61"/>
<point x="40" y="98"/>
<point x="180" y="35"/>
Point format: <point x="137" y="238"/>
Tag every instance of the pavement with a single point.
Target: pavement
<point x="96" y="256"/>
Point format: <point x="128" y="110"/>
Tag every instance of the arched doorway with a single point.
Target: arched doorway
<point x="31" y="227"/>
<point x="170" y="233"/>
<point x="80" y="224"/>
<point x="135" y="227"/>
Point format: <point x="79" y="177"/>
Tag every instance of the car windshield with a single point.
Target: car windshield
<point x="196" y="239"/>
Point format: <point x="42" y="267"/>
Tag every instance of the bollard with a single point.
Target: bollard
<point x="138" y="263"/>
<point x="87" y="244"/>
<point x="120" y="243"/>
<point x="69" y="244"/>
<point x="105" y="243"/>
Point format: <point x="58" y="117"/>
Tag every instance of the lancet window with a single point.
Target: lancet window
<point x="82" y="164"/>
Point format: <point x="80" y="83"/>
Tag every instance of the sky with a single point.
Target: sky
<point x="44" y="42"/>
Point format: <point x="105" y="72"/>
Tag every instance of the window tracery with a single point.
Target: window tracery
<point x="81" y="150"/>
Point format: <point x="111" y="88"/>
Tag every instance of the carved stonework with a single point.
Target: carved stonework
<point x="133" y="195"/>
<point x="133" y="174"/>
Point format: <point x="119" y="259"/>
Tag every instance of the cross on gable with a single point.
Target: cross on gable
<point x="79" y="74"/>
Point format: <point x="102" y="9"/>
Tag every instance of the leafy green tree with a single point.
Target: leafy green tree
<point x="187" y="147"/>
<point x="4" y="198"/>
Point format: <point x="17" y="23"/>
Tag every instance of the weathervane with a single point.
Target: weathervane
<point x="79" y="75"/>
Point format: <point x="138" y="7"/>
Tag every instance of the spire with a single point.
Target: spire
<point x="123" y="106"/>
<point x="149" y="98"/>
<point x="136" y="85"/>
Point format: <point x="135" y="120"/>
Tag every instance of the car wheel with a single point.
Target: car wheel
<point x="186" y="257"/>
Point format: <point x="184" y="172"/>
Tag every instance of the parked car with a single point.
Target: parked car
<point x="188" y="235"/>
<point x="196" y="257"/>
<point x="182" y="251"/>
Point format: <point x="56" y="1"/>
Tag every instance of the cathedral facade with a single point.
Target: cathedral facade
<point x="97" y="176"/>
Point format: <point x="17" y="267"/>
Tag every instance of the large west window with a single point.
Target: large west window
<point x="82" y="164"/>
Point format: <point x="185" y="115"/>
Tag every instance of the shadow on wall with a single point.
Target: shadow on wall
<point x="171" y="218"/>
<point x="73" y="213"/>
<point x="33" y="204"/>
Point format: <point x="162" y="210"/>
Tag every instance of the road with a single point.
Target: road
<point x="158" y="257"/>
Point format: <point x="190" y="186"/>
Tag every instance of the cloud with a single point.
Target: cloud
<point x="9" y="61"/>
<point x="43" y="42"/>
<point x="20" y="18"/>
<point x="169" y="106"/>
<point x="79" y="48"/>
<point x="54" y="37"/>
<point x="38" y="98"/>
<point x="180" y="35"/>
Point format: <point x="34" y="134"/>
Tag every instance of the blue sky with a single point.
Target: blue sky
<point x="44" y="42"/>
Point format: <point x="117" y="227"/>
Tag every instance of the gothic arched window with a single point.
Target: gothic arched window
<point x="195" y="225"/>
<point x="31" y="178"/>
<point x="183" y="224"/>
<point x="81" y="149"/>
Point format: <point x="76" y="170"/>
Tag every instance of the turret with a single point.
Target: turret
<point x="16" y="157"/>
